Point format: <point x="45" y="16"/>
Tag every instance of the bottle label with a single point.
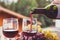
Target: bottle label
<point x="58" y="14"/>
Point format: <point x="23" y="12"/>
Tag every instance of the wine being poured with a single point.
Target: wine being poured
<point x="29" y="27"/>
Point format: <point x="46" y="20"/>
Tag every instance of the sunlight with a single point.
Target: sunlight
<point x="9" y="1"/>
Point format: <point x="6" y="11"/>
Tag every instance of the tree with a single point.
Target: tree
<point x="24" y="7"/>
<point x="2" y="4"/>
<point x="12" y="6"/>
<point x="42" y="3"/>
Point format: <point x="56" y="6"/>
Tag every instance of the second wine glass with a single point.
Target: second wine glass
<point x="29" y="27"/>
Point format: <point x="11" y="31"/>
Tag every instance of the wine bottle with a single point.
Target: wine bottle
<point x="51" y="11"/>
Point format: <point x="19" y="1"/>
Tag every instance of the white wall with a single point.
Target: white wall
<point x="57" y="23"/>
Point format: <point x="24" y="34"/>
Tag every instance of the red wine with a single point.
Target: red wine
<point x="27" y="33"/>
<point x="51" y="11"/>
<point x="31" y="22"/>
<point x="10" y="33"/>
<point x="40" y="36"/>
<point x="35" y="36"/>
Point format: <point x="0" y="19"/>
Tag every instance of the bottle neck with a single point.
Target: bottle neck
<point x="39" y="11"/>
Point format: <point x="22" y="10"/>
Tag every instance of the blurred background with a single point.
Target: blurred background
<point x="25" y="6"/>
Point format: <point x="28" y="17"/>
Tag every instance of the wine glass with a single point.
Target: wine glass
<point x="10" y="27"/>
<point x="29" y="27"/>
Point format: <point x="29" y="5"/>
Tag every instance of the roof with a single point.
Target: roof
<point x="14" y="13"/>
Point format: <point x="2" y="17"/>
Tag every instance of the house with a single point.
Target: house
<point x="6" y="13"/>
